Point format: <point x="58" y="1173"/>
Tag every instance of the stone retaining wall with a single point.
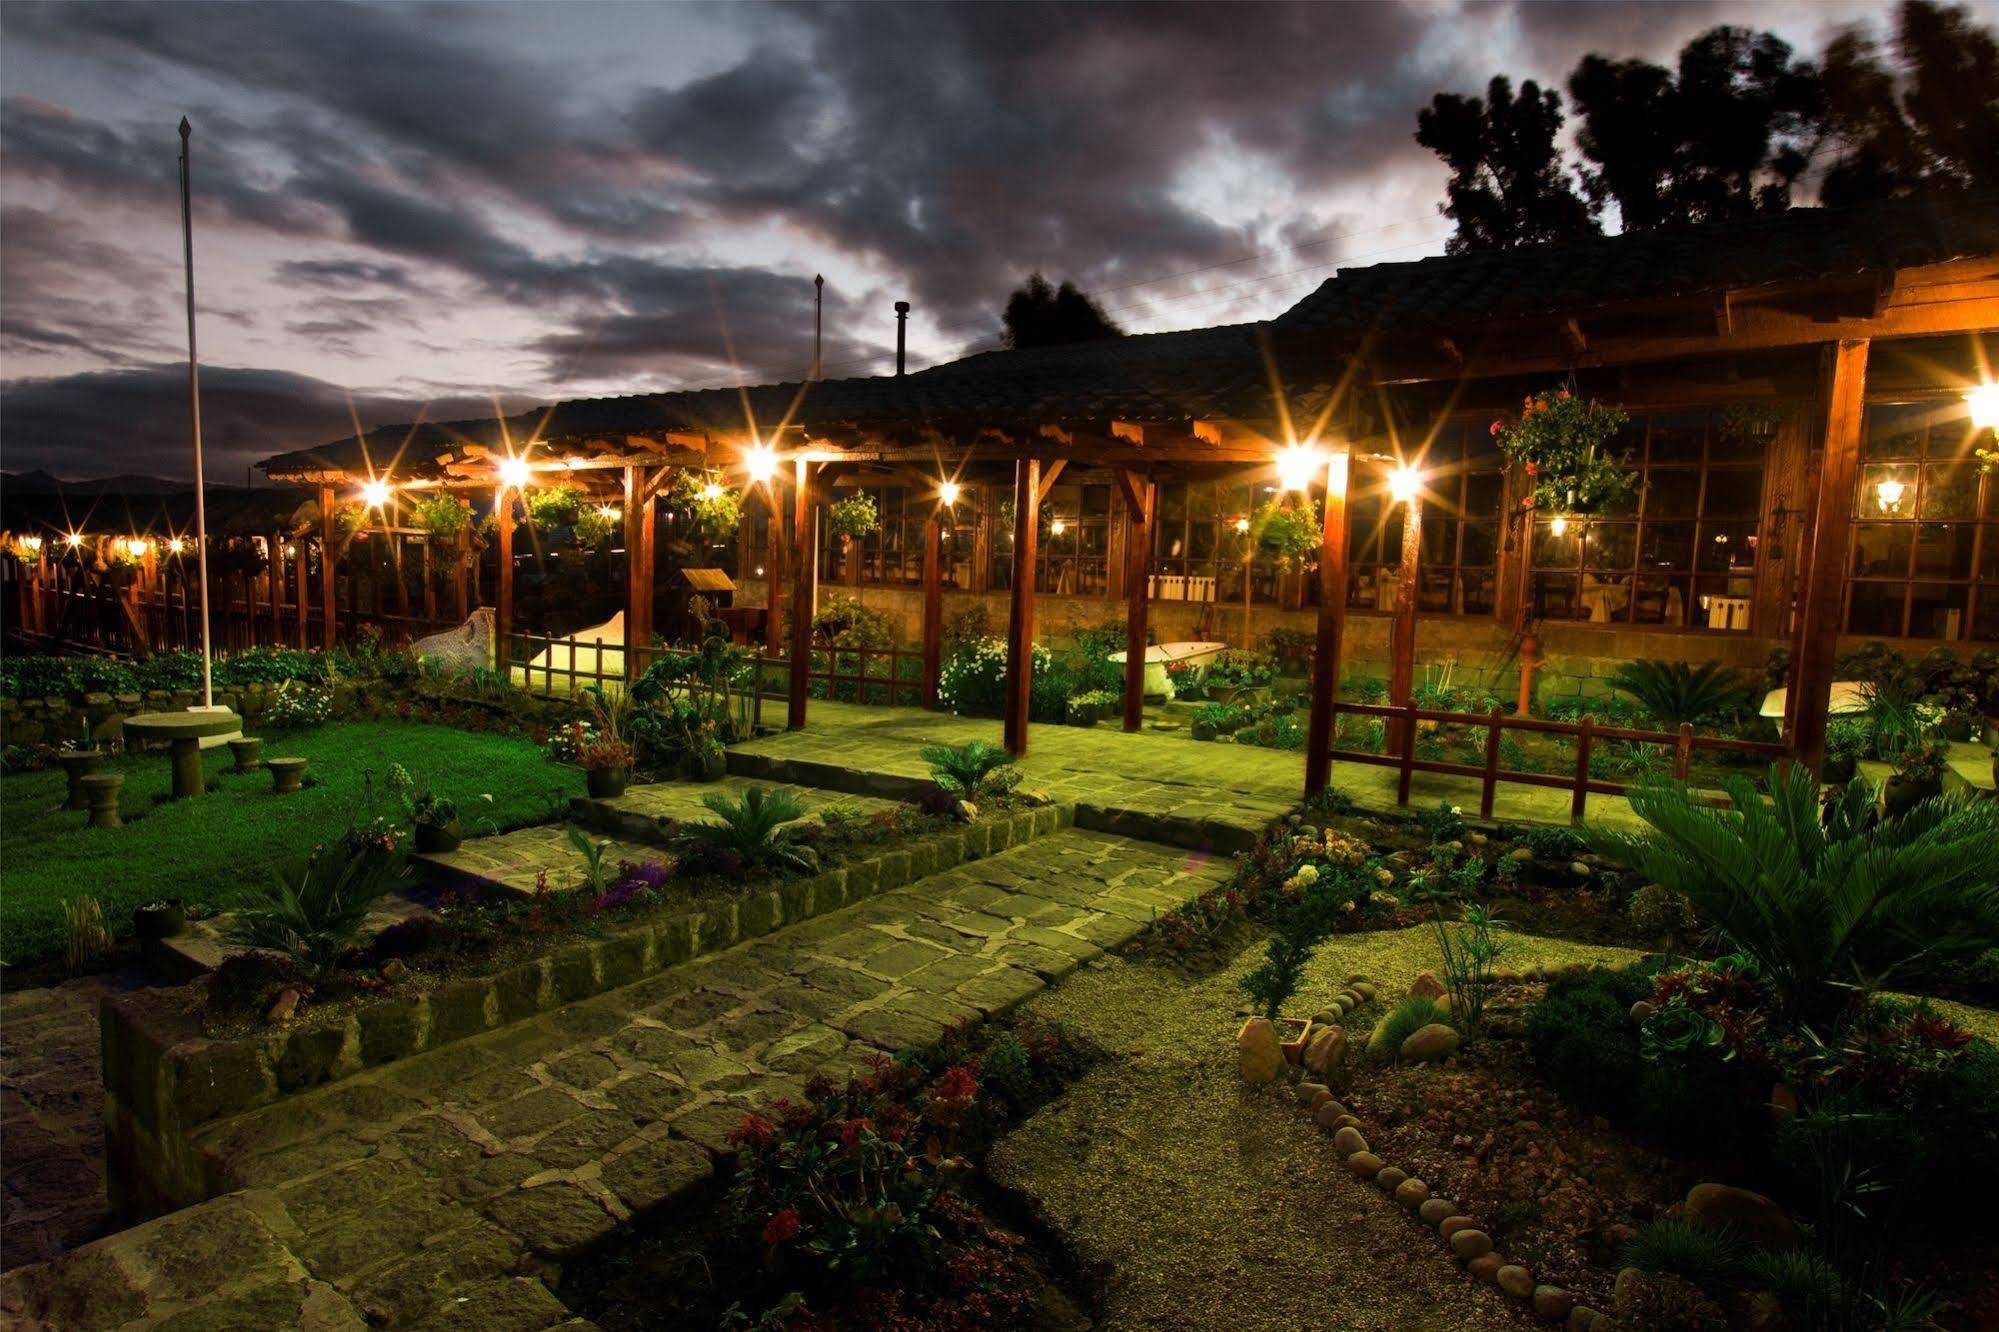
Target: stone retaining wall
<point x="163" y="1077"/>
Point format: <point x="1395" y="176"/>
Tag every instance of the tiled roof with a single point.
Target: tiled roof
<point x="1572" y="276"/>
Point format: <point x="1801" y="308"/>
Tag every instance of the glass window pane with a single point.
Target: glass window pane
<point x="1661" y="600"/>
<point x="1722" y="603"/>
<point x="1936" y="610"/>
<point x="1894" y="431"/>
<point x="1672" y="492"/>
<point x="1725" y="547"/>
<point x="1741" y="437"/>
<point x="1733" y="492"/>
<point x="1610" y="546"/>
<point x="1479" y="588"/>
<point x="1481" y="544"/>
<point x="1943" y="550"/>
<point x="1484" y="492"/>
<point x="1678" y="437"/>
<point x="1434" y="590"/>
<point x="1627" y="505"/>
<point x="1876" y="608"/>
<point x="1668" y="546"/>
<point x="1985" y="615"/>
<point x="1606" y="598"/>
<point x="1950" y="490"/>
<point x="1095" y="499"/>
<point x="1440" y="541"/>
<point x="1887" y="490"/>
<point x="1555" y="549"/>
<point x="1556" y="597"/>
<point x="1482" y="449"/>
<point x="1881" y="550"/>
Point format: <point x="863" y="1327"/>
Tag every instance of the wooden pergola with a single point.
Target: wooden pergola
<point x="1316" y="389"/>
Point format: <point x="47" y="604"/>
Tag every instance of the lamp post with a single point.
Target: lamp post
<point x="194" y="416"/>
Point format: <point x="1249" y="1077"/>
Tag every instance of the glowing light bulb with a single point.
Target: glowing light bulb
<point x="1559" y="527"/>
<point x="31" y="543"/>
<point x="290" y="549"/>
<point x="1405" y="484"/>
<point x="1296" y="465"/>
<point x="515" y="472"/>
<point x="374" y="494"/>
<point x="1242" y="526"/>
<point x="948" y="492"/>
<point x="608" y="512"/>
<point x="760" y="463"/>
<point x="176" y="545"/>
<point x="136" y="548"/>
<point x="1984" y="402"/>
<point x="1057" y="527"/>
<point x="1889" y="493"/>
<point x="711" y="492"/>
<point x="74" y="539"/>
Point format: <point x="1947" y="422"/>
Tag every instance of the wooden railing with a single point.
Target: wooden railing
<point x="1403" y="724"/>
<point x="887" y="675"/>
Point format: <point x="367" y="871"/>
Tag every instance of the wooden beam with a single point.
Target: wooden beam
<point x="1724" y="314"/>
<point x="503" y="591"/>
<point x="274" y="568"/>
<point x="933" y="602"/>
<point x="1129" y="431"/>
<point x="1573" y="337"/>
<point x="1402" y="636"/>
<point x="328" y="555"/>
<point x="1048" y="479"/>
<point x="303" y="598"/>
<point x="1020" y="606"/>
<point x="804" y="567"/>
<point x="1331" y="627"/>
<point x="1842" y="407"/>
<point x="1141" y="515"/>
<point x="635" y="591"/>
<point x="773" y="569"/>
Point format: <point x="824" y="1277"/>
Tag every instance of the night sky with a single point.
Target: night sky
<point x="420" y="208"/>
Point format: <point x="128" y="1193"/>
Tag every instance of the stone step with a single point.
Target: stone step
<point x="514" y="864"/>
<point x="655" y="812"/>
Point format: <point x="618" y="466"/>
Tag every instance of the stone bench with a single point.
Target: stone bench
<point x="287" y="774"/>
<point x="100" y="790"/>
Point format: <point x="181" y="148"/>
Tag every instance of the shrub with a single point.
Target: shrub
<point x="1548" y="842"/>
<point x="86" y="941"/>
<point x="1582" y="1039"/>
<point x="1669" y="1304"/>
<point x="296" y="705"/>
<point x="1469" y="951"/>
<point x="1659" y="912"/>
<point x="1310" y="903"/>
<point x="972" y="680"/>
<point x="971" y="769"/>
<point x="750" y="832"/>
<point x="1823" y="908"/>
<point x="314" y="912"/>
<point x="1713" y="1259"/>
<point x="1445" y="823"/>
<point x="1674" y="693"/>
<point x="1405" y="1020"/>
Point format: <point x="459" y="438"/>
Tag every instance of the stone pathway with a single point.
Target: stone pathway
<point x="51" y="1121"/>
<point x="442" y="1191"/>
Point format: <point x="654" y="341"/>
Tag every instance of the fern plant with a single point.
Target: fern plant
<point x="1827" y="908"/>
<point x="753" y="828"/>
<point x="1675" y="693"/>
<point x="974" y="768"/>
<point x="314" y="912"/>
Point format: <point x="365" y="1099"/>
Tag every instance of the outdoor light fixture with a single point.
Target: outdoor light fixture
<point x="608" y="512"/>
<point x="1560" y="526"/>
<point x="74" y="539"/>
<point x="1406" y="484"/>
<point x="1889" y="493"/>
<point x="1295" y="466"/>
<point x="515" y="472"/>
<point x="176" y="545"/>
<point x="711" y="492"/>
<point x="136" y="548"/>
<point x="290" y="550"/>
<point x="374" y="493"/>
<point x="1056" y="527"/>
<point x="1242" y="526"/>
<point x="1984" y="402"/>
<point x="761" y="463"/>
<point x="948" y="492"/>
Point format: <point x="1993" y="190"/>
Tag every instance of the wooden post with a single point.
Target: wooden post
<point x="1406" y="727"/>
<point x="328" y="553"/>
<point x="1683" y="751"/>
<point x="429" y="583"/>
<point x="1141" y="509"/>
<point x="773" y="570"/>
<point x="503" y="593"/>
<point x="648" y="513"/>
<point x="1490" y="784"/>
<point x="395" y="540"/>
<point x="1325" y="687"/>
<point x="1020" y="605"/>
<point x="635" y="590"/>
<point x="1579" y="796"/>
<point x="1842" y="385"/>
<point x="462" y="573"/>
<point x="1402" y="641"/>
<point x="804" y="538"/>
<point x="301" y="598"/>
<point x="274" y="568"/>
<point x="933" y="603"/>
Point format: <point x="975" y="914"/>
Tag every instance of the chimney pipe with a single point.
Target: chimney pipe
<point x="901" y="333"/>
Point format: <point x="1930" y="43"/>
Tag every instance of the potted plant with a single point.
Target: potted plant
<point x="436" y="820"/>
<point x="1844" y="740"/>
<point x="162" y="918"/>
<point x="607" y="766"/>
<point x="854" y="517"/>
<point x="1236" y="676"/>
<point x="1917" y="775"/>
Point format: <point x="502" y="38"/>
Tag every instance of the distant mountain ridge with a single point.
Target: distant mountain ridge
<point x="40" y="482"/>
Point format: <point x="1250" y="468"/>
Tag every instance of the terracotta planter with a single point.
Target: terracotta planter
<point x="159" y="920"/>
<point x="437" y="838"/>
<point x="1903" y="794"/>
<point x="605" y="783"/>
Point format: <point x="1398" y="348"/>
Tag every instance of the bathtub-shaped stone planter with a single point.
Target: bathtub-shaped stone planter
<point x="1161" y="655"/>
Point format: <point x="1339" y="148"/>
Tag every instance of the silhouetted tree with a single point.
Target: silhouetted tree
<point x="1724" y="136"/>
<point x="1508" y="186"/>
<point x="1934" y="121"/>
<point x="1040" y="315"/>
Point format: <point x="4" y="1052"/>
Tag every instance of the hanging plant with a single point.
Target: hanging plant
<point x="1289" y="532"/>
<point x="554" y="506"/>
<point x="350" y="518"/>
<point x="237" y="555"/>
<point x="27" y="550"/>
<point x="441" y="516"/>
<point x="1559" y="442"/>
<point x="855" y="517"/>
<point x="1753" y="420"/>
<point x="712" y="509"/>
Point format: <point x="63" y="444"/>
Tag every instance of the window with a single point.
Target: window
<point x="1925" y="560"/>
<point x="1681" y="550"/>
<point x="1197" y="547"/>
<point x="1072" y="554"/>
<point x="1457" y="568"/>
<point x="892" y="554"/>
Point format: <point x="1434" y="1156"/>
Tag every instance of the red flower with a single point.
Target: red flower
<point x="756" y="1133"/>
<point x="1496" y="426"/>
<point x="851" y="1130"/>
<point x="782" y="1226"/>
<point x="958" y="1084"/>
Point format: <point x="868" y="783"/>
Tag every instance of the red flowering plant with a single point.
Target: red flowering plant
<point x="1561" y="442"/>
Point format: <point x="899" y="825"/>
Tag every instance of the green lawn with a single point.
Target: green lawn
<point x="211" y="849"/>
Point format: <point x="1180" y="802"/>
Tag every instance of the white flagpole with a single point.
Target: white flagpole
<point x="194" y="414"/>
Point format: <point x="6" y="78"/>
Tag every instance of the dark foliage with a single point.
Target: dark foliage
<point x="1041" y="315"/>
<point x="1508" y="187"/>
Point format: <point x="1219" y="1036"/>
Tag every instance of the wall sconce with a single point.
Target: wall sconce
<point x="1242" y="526"/>
<point x="176" y="546"/>
<point x="948" y="492"/>
<point x="1984" y="402"/>
<point x="1888" y="494"/>
<point x="1560" y="526"/>
<point x="1295" y="466"/>
<point x="1405" y="484"/>
<point x="1056" y="527"/>
<point x="374" y="494"/>
<point x="137" y="547"/>
<point x="609" y="512"/>
<point x="761" y="463"/>
<point x="73" y="540"/>
<point x="711" y="492"/>
<point x="515" y="473"/>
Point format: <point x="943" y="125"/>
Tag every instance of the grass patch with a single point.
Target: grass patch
<point x="210" y="850"/>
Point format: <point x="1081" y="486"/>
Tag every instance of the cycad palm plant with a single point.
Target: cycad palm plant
<point x="315" y="911"/>
<point x="1675" y="693"/>
<point x="968" y="769"/>
<point x="753" y="828"/>
<point x="1825" y="908"/>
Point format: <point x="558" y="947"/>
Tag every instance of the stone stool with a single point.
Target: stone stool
<point x="287" y="774"/>
<point x="101" y="788"/>
<point x="78" y="764"/>
<point x="248" y="751"/>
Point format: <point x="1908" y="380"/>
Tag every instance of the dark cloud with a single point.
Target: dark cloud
<point x="345" y="275"/>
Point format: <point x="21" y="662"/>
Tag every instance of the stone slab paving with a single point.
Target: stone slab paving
<point x="657" y="810"/>
<point x="515" y="862"/>
<point x="51" y="1120"/>
<point x="442" y="1191"/>
<point x="1156" y="774"/>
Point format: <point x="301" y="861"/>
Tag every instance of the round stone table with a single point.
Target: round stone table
<point x="184" y="732"/>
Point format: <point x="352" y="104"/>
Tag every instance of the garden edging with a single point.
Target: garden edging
<point x="164" y="1078"/>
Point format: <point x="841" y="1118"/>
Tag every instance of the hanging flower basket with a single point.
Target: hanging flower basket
<point x="442" y="517"/>
<point x="855" y="517"/>
<point x="1562" y="442"/>
<point x="713" y="510"/>
<point x="1291" y="532"/>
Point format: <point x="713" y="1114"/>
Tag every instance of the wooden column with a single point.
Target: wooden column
<point x="1842" y="384"/>
<point x="773" y="570"/>
<point x="804" y="538"/>
<point x="301" y="598"/>
<point x="462" y="572"/>
<point x="429" y="582"/>
<point x="274" y="568"/>
<point x="1141" y="509"/>
<point x="637" y="590"/>
<point x="1020" y="606"/>
<point x="395" y="540"/>
<point x="328" y="556"/>
<point x="503" y="593"/>
<point x="933" y="602"/>
<point x="1402" y="638"/>
<point x="1325" y="687"/>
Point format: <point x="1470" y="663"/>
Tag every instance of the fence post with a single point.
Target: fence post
<point x="1683" y="752"/>
<point x="1579" y="800"/>
<point x="1408" y="729"/>
<point x="1486" y="793"/>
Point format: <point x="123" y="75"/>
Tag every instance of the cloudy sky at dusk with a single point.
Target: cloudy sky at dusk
<point x="408" y="206"/>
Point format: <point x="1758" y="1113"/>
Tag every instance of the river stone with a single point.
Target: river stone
<point x="1412" y="1193"/>
<point x="1581" y="1319"/>
<point x="1329" y="1114"/>
<point x="1426" y="986"/>
<point x="1364" y="1165"/>
<point x="1469" y="1244"/>
<point x="1553" y="1303"/>
<point x="1642" y="1010"/>
<point x="1751" y="1216"/>
<point x="1259" y="1055"/>
<point x="1435" y="1211"/>
<point x="1390" y="1178"/>
<point x="1435" y="1041"/>
<point x="1348" y="1141"/>
<point x="1486" y="1266"/>
<point x="1452" y="1224"/>
<point x="1516" y="1281"/>
<point x="1309" y="1094"/>
<point x="1348" y="1120"/>
<point x="1629" y="1279"/>
<point x="1326" y="1049"/>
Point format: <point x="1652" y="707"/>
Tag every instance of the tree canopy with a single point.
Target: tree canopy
<point x="1507" y="184"/>
<point x="1041" y="315"/>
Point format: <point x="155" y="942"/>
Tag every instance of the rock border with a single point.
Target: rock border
<point x="163" y="1077"/>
